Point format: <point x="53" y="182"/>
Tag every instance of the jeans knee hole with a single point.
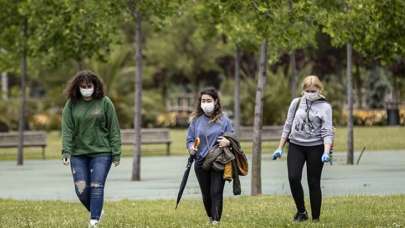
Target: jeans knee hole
<point x="81" y="186"/>
<point x="96" y="185"/>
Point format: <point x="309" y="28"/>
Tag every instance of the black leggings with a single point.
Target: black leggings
<point x="297" y="156"/>
<point x="212" y="188"/>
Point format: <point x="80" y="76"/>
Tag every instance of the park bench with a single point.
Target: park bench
<point x="149" y="136"/>
<point x="31" y="139"/>
<point x="269" y="133"/>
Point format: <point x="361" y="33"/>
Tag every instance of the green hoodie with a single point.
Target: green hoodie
<point x="90" y="128"/>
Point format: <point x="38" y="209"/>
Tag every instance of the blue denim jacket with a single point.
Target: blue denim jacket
<point x="208" y="133"/>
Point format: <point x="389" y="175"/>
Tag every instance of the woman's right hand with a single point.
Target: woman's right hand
<point x="116" y="163"/>
<point x="192" y="150"/>
<point x="277" y="154"/>
<point x="66" y="161"/>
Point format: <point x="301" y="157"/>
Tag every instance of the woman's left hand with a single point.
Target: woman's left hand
<point x="223" y="142"/>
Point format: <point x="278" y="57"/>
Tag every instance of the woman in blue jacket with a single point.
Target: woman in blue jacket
<point x="209" y="124"/>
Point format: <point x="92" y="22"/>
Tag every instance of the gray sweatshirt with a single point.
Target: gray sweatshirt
<point x="309" y="128"/>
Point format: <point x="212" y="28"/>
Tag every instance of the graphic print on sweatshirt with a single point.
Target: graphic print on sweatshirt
<point x="306" y="119"/>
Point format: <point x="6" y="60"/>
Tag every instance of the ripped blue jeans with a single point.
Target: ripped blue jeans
<point x="89" y="176"/>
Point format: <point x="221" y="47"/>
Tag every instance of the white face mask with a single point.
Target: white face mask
<point x="87" y="92"/>
<point x="208" y="108"/>
<point x="312" y="96"/>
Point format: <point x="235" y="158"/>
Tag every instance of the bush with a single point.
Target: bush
<point x="275" y="101"/>
<point x="152" y="107"/>
<point x="9" y="114"/>
<point x="46" y="121"/>
<point x="10" y="110"/>
<point x="369" y="117"/>
<point x="402" y="116"/>
<point x="376" y="117"/>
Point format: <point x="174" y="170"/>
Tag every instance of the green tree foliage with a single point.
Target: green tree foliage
<point x="59" y="30"/>
<point x="76" y="30"/>
<point x="375" y="28"/>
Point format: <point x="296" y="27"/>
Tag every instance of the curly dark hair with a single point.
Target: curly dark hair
<point x="72" y="90"/>
<point x="218" y="107"/>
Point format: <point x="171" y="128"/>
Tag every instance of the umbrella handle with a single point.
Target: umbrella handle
<point x="190" y="161"/>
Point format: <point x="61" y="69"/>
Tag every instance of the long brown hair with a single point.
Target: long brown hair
<point x="72" y="90"/>
<point x="217" y="109"/>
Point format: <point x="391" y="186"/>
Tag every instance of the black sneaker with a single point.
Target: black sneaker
<point x="301" y="216"/>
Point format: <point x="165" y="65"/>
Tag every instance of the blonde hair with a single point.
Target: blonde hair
<point x="312" y="80"/>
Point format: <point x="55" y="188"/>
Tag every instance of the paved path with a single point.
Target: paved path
<point x="378" y="173"/>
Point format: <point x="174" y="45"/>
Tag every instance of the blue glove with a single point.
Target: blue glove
<point x="277" y="154"/>
<point x="325" y="157"/>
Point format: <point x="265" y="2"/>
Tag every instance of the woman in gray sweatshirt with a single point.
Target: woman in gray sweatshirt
<point x="309" y="131"/>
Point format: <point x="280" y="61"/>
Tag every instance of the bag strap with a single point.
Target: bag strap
<point x="295" y="112"/>
<point x="296" y="107"/>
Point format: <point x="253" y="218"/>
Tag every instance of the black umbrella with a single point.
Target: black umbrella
<point x="185" y="177"/>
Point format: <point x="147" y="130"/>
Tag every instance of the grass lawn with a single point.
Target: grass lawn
<point x="374" y="138"/>
<point x="262" y="211"/>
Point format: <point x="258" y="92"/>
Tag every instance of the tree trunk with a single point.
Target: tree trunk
<point x="257" y="126"/>
<point x="395" y="88"/>
<point x="136" y="164"/>
<point x="237" y="92"/>
<point x="294" y="75"/>
<point x="21" y="127"/>
<point x="196" y="83"/>
<point x="359" y="85"/>
<point x="392" y="106"/>
<point x="293" y="65"/>
<point x="350" y="149"/>
<point x="4" y="86"/>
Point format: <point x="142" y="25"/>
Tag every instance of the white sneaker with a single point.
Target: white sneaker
<point x="215" y="223"/>
<point x="93" y="223"/>
<point x="101" y="216"/>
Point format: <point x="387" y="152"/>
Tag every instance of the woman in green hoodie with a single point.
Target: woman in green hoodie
<point x="91" y="139"/>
